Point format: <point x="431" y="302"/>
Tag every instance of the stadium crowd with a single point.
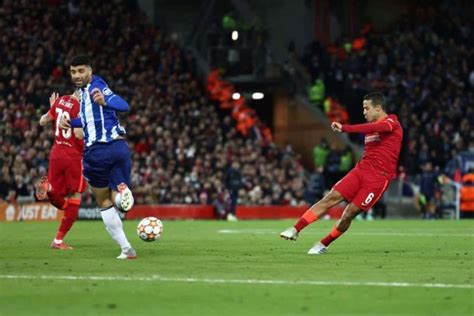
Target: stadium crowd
<point x="185" y="149"/>
<point x="424" y="64"/>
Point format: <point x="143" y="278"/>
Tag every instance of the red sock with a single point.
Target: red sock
<point x="333" y="235"/>
<point x="57" y="200"/>
<point x="307" y="218"/>
<point x="70" y="215"/>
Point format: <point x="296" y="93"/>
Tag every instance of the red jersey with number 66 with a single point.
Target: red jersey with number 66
<point x="65" y="142"/>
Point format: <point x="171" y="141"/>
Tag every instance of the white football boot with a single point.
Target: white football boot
<point x="318" y="249"/>
<point x="125" y="202"/>
<point x="289" y="234"/>
<point x="129" y="254"/>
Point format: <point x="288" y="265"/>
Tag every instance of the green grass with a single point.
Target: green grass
<point x="414" y="252"/>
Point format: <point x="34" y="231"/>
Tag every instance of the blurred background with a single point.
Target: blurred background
<point x="231" y="101"/>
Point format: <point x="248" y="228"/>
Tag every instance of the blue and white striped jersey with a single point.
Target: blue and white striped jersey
<point x="100" y="123"/>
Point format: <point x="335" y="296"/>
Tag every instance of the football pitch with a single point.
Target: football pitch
<point x="240" y="268"/>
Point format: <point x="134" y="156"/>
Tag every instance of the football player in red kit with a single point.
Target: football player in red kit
<point x="363" y="186"/>
<point x="64" y="183"/>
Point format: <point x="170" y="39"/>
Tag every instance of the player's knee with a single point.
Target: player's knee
<point x="333" y="197"/>
<point x="349" y="212"/>
<point x="106" y="203"/>
<point x="346" y="218"/>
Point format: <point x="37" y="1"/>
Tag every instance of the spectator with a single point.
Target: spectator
<point x="347" y="160"/>
<point x="316" y="186"/>
<point x="316" y="93"/>
<point x="320" y="153"/>
<point x="7" y="188"/>
<point x="332" y="171"/>
<point x="233" y="183"/>
<point x="427" y="197"/>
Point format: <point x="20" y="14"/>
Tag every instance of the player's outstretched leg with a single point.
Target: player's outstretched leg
<point x="71" y="210"/>
<point x="112" y="221"/>
<point x="57" y="199"/>
<point x="292" y="233"/>
<point x="312" y="215"/>
<point x="114" y="226"/>
<point x="342" y="226"/>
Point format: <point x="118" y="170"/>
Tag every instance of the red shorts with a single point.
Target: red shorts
<point x="65" y="175"/>
<point x="362" y="187"/>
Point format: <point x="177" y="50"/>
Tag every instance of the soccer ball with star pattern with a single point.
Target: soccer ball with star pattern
<point x="150" y="229"/>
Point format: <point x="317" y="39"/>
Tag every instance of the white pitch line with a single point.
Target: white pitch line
<point x="269" y="232"/>
<point x="157" y="278"/>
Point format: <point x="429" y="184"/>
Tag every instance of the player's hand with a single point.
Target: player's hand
<point x="336" y="127"/>
<point x="54" y="96"/>
<point x="64" y="123"/>
<point x="98" y="97"/>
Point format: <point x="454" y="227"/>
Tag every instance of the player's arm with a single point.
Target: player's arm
<point x="64" y="123"/>
<point x="102" y="95"/>
<point x="46" y="119"/>
<point x="377" y="127"/>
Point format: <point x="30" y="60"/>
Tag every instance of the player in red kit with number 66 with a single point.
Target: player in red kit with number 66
<point x="363" y="186"/>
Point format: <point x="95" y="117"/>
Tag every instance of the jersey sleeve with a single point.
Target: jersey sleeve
<point x="102" y="86"/>
<point x="76" y="110"/>
<point x="385" y="126"/>
<point x="51" y="114"/>
<point x="113" y="101"/>
<point x="391" y="122"/>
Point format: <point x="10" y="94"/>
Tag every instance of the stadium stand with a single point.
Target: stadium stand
<point x="424" y="65"/>
<point x="182" y="143"/>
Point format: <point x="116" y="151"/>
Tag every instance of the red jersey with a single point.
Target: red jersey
<point x="65" y="142"/>
<point x="383" y="140"/>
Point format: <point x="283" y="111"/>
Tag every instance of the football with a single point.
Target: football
<point x="150" y="229"/>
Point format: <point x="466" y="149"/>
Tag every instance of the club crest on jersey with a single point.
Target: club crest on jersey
<point x="372" y="138"/>
<point x="107" y="91"/>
